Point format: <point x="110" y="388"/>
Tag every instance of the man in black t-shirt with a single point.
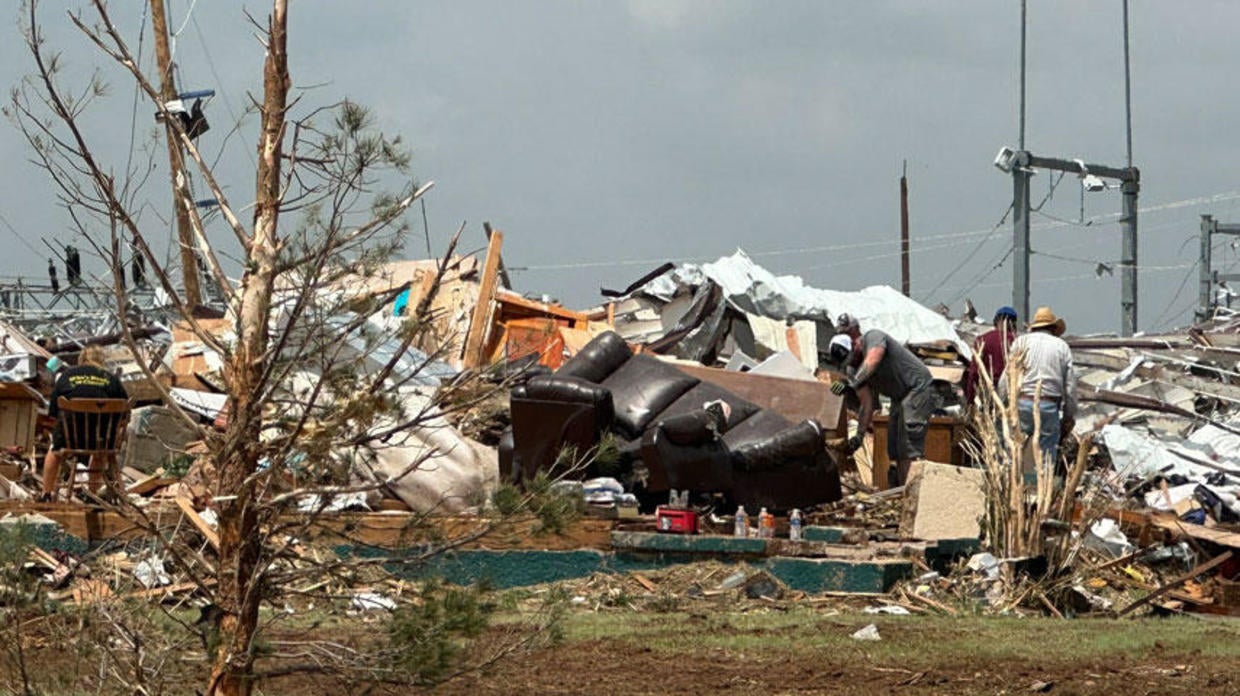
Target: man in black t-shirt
<point x="87" y="380"/>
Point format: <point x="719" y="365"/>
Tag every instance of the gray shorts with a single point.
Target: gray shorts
<point x="906" y="428"/>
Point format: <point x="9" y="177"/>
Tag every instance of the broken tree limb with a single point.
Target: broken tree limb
<point x="1208" y="565"/>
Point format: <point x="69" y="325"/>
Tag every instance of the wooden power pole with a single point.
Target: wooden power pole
<point x="176" y="159"/>
<point x="904" y="273"/>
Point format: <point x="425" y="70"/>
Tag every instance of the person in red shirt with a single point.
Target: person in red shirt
<point x="990" y="352"/>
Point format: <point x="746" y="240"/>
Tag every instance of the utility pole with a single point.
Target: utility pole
<point x="176" y="159"/>
<point x="1020" y="240"/>
<point x="1128" y="256"/>
<point x="1207" y="276"/>
<point x="904" y="247"/>
<point x="1022" y="163"/>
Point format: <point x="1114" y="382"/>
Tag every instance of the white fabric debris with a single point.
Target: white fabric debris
<point x="210" y="518"/>
<point x="451" y="474"/>
<point x="869" y="632"/>
<point x="1105" y="535"/>
<point x="372" y="601"/>
<point x="984" y="563"/>
<point x="893" y="609"/>
<point x="150" y="572"/>
<point x="337" y="503"/>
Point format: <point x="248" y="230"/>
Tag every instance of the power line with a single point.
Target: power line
<point x="1179" y="291"/>
<point x="607" y="263"/>
<point x="971" y="254"/>
<point x="756" y="254"/>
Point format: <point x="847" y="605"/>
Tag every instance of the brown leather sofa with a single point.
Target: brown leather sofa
<point x="656" y="412"/>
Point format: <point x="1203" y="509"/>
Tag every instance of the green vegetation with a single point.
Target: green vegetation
<point x="912" y="641"/>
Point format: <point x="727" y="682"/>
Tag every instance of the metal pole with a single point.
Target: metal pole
<point x="1127" y="88"/>
<point x="1020" y="239"/>
<point x="1022" y="73"/>
<point x="1205" y="280"/>
<point x="905" y="284"/>
<point x="1128" y="258"/>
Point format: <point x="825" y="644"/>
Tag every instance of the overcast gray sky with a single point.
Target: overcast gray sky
<point x="604" y="137"/>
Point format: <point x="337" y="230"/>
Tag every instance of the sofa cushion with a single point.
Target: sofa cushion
<point x="573" y="390"/>
<point x="757" y="427"/>
<point x="642" y="388"/>
<point x="600" y="357"/>
<point x="695" y="398"/>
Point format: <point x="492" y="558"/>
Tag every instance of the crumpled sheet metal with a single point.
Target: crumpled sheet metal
<point x="754" y="290"/>
<point x="1135" y="454"/>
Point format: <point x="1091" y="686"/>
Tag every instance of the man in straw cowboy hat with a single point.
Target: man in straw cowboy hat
<point x="1048" y="383"/>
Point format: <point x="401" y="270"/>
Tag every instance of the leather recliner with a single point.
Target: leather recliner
<point x="656" y="413"/>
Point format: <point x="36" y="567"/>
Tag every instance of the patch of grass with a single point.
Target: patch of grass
<point x="912" y="640"/>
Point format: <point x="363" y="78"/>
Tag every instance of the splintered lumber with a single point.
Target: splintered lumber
<point x="187" y="507"/>
<point x="932" y="603"/>
<point x="1197" y="531"/>
<point x="480" y="322"/>
<point x="644" y="582"/>
<point x="1208" y="565"/>
<point x="149" y="483"/>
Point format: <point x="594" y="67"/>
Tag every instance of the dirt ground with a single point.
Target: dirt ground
<point x="681" y="654"/>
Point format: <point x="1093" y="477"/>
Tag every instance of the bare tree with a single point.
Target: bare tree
<point x="316" y="383"/>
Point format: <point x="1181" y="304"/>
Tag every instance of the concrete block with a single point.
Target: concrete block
<point x="838" y="575"/>
<point x="156" y="438"/>
<point x="686" y="543"/>
<point x="942" y="501"/>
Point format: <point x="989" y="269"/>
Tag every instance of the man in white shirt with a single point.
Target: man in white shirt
<point x="1048" y="382"/>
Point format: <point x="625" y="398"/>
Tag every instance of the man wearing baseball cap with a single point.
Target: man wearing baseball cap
<point x="879" y="364"/>
<point x="990" y="352"/>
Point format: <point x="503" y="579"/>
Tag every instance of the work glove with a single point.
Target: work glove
<point x="853" y="444"/>
<point x="838" y="387"/>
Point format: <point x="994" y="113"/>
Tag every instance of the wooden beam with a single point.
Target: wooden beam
<point x="503" y="272"/>
<point x="480" y="321"/>
<point x="1197" y="531"/>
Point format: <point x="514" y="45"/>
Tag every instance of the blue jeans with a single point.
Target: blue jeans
<point x="1048" y="433"/>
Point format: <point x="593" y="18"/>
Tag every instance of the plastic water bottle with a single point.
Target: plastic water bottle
<point x="794" y="525"/>
<point x="741" y="528"/>
<point x="766" y="524"/>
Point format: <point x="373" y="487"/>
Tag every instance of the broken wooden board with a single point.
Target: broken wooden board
<point x="794" y="399"/>
<point x="394" y="529"/>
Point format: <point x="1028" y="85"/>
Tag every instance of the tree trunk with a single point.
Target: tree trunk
<point x="239" y="588"/>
